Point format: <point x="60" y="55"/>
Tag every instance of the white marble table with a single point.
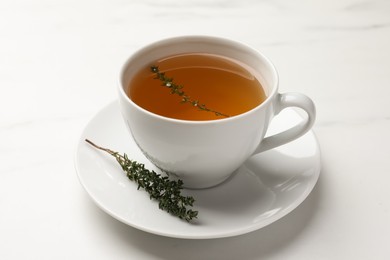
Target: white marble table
<point x="58" y="66"/>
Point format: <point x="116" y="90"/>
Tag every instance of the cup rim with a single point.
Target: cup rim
<point x="268" y="99"/>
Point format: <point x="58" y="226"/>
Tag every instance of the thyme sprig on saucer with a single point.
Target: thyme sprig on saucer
<point x="166" y="192"/>
<point x="178" y="90"/>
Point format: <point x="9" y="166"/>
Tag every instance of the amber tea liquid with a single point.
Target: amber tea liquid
<point x="220" y="83"/>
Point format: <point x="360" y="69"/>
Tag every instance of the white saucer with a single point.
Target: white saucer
<point x="267" y="187"/>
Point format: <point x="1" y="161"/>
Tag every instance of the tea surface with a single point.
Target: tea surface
<point x="221" y="84"/>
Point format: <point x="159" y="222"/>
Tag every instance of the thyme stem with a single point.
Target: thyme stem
<point x="166" y="192"/>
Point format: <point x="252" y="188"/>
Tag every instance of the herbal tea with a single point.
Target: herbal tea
<point x="196" y="86"/>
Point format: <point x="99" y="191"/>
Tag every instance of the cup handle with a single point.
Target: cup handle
<point x="283" y="101"/>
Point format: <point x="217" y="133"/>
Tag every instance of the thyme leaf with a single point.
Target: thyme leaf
<point x="160" y="188"/>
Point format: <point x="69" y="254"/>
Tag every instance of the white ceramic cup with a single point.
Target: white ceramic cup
<point x="205" y="153"/>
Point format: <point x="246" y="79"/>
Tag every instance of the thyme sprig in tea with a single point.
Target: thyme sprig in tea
<point x="160" y="188"/>
<point x="178" y="90"/>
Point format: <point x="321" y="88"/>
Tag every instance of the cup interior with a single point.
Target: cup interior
<point x="256" y="62"/>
